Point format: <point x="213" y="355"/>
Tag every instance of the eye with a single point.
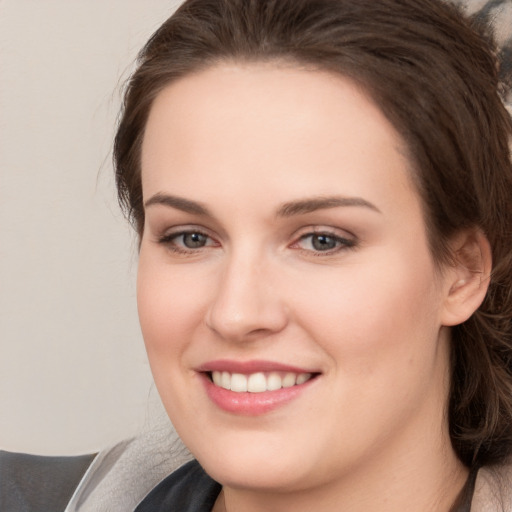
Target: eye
<point x="187" y="241"/>
<point x="324" y="242"/>
<point x="193" y="240"/>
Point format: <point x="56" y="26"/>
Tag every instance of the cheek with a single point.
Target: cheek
<point x="375" y="316"/>
<point x="379" y="326"/>
<point x="170" y="305"/>
<point x="170" y="313"/>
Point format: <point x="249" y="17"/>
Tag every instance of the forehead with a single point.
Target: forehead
<point x="260" y="126"/>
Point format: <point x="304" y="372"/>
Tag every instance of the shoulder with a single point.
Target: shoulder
<point x="116" y="479"/>
<point x="30" y="483"/>
<point x="121" y="476"/>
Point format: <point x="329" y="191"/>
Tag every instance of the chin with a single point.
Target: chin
<point x="259" y="460"/>
<point x="262" y="474"/>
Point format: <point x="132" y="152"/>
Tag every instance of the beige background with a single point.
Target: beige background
<point x="73" y="372"/>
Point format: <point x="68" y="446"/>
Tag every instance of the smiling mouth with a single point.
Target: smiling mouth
<point x="258" y="382"/>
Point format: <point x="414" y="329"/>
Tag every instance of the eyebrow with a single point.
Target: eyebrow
<point x="289" y="209"/>
<point x="309" y="205"/>
<point x="180" y="203"/>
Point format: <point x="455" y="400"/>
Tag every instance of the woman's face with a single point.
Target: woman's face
<point x="285" y="252"/>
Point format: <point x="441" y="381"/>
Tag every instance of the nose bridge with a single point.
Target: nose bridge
<point x="247" y="300"/>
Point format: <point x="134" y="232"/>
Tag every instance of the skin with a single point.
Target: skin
<point x="370" y="315"/>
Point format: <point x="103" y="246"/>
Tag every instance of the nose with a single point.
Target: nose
<point x="246" y="304"/>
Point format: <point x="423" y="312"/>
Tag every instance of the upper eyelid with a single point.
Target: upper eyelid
<point x="184" y="229"/>
<point x="165" y="226"/>
<point x="325" y="230"/>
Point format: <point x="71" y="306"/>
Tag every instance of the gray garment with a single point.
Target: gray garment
<point x="32" y="483"/>
<point x="121" y="476"/>
<point x="116" y="479"/>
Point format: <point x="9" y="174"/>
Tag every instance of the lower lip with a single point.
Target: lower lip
<point x="251" y="404"/>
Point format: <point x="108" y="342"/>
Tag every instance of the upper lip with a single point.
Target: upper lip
<point x="248" y="367"/>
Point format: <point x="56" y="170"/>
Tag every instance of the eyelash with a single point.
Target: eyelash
<point x="169" y="240"/>
<point x="341" y="243"/>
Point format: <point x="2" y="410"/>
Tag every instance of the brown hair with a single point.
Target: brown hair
<point x="434" y="75"/>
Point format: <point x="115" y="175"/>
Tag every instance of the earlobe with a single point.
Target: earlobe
<point x="467" y="277"/>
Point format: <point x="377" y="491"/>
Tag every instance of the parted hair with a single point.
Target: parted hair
<point x="434" y="74"/>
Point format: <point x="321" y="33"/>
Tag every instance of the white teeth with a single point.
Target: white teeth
<point x="258" y="382"/>
<point x="289" y="380"/>
<point x="238" y="382"/>
<point x="274" y="381"/>
<point x="302" y="377"/>
<point x="226" y="380"/>
<point x="217" y="378"/>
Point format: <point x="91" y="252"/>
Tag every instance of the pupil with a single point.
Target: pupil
<point x="323" y="242"/>
<point x="194" y="240"/>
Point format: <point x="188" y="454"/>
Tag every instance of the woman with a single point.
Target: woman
<point x="322" y="195"/>
<point x="321" y="190"/>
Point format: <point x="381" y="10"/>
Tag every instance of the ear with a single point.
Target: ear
<point x="467" y="277"/>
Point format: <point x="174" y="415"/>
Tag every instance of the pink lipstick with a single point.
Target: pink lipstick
<point x="253" y="387"/>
